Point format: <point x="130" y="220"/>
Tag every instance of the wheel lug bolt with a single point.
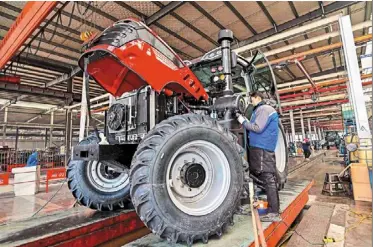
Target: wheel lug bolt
<point x="177" y="178"/>
<point x="190" y="189"/>
<point x="193" y="160"/>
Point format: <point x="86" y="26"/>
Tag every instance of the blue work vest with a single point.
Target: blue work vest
<point x="267" y="138"/>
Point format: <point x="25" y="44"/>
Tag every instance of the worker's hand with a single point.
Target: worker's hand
<point x="240" y="118"/>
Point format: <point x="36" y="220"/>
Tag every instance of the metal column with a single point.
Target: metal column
<point x="302" y="125"/>
<point x="83" y="108"/>
<point x="87" y="127"/>
<point x="320" y="136"/>
<point x="46" y="139"/>
<point x="287" y="136"/>
<point x="16" y="143"/>
<point x="4" y="127"/>
<point x="68" y="133"/>
<point x="292" y="125"/>
<point x="68" y="124"/>
<point x="315" y="131"/>
<point x="355" y="89"/>
<point x="51" y="130"/>
<point x="309" y="128"/>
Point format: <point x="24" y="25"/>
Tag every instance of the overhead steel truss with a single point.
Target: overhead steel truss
<point x="38" y="91"/>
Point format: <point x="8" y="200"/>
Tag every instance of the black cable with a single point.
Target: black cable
<point x="50" y="199"/>
<point x="70" y="18"/>
<point x="39" y="43"/>
<point x="253" y="59"/>
<point x="86" y="9"/>
<point x="42" y="35"/>
<point x="28" y="50"/>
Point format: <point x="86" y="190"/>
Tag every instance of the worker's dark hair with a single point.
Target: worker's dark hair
<point x="256" y="94"/>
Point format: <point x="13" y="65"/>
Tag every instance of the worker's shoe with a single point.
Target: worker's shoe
<point x="270" y="217"/>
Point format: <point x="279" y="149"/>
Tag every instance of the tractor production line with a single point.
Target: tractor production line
<point x="83" y="227"/>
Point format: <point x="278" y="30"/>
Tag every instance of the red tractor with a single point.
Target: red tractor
<point x="174" y="148"/>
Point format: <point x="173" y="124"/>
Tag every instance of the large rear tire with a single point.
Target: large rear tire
<point x="96" y="185"/>
<point x="187" y="178"/>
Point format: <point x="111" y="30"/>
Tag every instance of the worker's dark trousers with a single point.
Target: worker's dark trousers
<point x="307" y="153"/>
<point x="263" y="165"/>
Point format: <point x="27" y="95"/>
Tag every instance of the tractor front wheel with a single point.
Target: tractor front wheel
<point x="186" y="178"/>
<point x="98" y="185"/>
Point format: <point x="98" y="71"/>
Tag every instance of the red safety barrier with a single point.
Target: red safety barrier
<point x="4" y="178"/>
<point x="10" y="167"/>
<point x="54" y="174"/>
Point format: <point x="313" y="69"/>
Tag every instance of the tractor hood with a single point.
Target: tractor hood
<point x="128" y="55"/>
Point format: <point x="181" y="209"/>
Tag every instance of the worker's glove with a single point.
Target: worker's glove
<point x="240" y="118"/>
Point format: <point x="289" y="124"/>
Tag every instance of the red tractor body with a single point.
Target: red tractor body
<point x="139" y="58"/>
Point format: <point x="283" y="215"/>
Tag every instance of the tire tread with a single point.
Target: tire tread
<point x="140" y="170"/>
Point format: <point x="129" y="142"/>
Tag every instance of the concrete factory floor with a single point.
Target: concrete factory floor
<point x="325" y="216"/>
<point x="336" y="217"/>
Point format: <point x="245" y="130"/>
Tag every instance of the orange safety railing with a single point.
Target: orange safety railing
<point x="55" y="174"/>
<point x="4" y="178"/>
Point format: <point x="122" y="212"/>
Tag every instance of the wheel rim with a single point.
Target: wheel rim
<point x="104" y="178"/>
<point x="198" y="178"/>
<point x="280" y="152"/>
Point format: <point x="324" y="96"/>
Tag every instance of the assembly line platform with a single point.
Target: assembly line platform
<point x="293" y="198"/>
<point x="84" y="227"/>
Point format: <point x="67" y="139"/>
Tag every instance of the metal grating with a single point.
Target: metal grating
<point x="146" y="8"/>
<point x="282" y="16"/>
<point x="259" y="21"/>
<point x="304" y="7"/>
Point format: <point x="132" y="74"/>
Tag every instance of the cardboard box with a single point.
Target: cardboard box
<point x="360" y="182"/>
<point x="359" y="173"/>
<point x="362" y="192"/>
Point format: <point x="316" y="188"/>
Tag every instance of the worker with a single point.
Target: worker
<point x="33" y="159"/>
<point x="263" y="133"/>
<point x="306" y="146"/>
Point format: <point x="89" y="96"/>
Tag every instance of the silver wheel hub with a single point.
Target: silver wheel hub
<point x="105" y="178"/>
<point x="198" y="178"/>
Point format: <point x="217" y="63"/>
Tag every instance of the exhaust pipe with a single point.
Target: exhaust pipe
<point x="225" y="39"/>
